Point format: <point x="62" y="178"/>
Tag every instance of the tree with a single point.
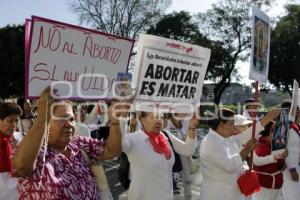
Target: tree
<point x="12" y="59"/>
<point x="285" y="50"/>
<point x="180" y="26"/>
<point x="228" y="22"/>
<point x="125" y="18"/>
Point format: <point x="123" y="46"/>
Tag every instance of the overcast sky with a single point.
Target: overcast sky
<point x="16" y="11"/>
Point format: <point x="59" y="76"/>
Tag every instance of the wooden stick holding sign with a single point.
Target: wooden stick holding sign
<point x="248" y="181"/>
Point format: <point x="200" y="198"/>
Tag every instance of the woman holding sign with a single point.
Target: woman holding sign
<point x="9" y="114"/>
<point x="151" y="157"/>
<point x="222" y="160"/>
<point x="50" y="160"/>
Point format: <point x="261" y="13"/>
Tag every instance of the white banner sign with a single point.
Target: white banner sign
<point x="169" y="71"/>
<point x="261" y="31"/>
<point x="293" y="110"/>
<point x="81" y="63"/>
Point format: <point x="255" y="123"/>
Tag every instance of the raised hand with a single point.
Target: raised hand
<point x="194" y="121"/>
<point x="45" y="103"/>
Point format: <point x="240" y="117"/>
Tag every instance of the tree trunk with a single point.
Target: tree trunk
<point x="218" y="91"/>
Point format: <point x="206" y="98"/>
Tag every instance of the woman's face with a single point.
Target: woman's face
<point x="152" y="122"/>
<point x="62" y="126"/>
<point x="226" y="129"/>
<point x="27" y="106"/>
<point x="9" y="124"/>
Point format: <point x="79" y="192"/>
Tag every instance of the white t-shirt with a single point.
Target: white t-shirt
<point x="221" y="165"/>
<point x="151" y="172"/>
<point x="8" y="187"/>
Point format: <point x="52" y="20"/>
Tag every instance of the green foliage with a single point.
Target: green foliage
<point x="12" y="59"/>
<point x="228" y="23"/>
<point x="285" y="50"/>
<point x="177" y="26"/>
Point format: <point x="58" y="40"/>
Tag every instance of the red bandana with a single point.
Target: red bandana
<point x="5" y="153"/>
<point x="159" y="143"/>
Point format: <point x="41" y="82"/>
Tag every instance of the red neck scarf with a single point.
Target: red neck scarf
<point x="5" y="153"/>
<point x="159" y="143"/>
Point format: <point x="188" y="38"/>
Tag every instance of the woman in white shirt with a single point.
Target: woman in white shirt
<point x="151" y="157"/>
<point x="27" y="117"/>
<point x="9" y="114"/>
<point x="221" y="159"/>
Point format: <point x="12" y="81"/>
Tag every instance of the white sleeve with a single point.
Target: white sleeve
<point x="217" y="154"/>
<point x="264" y="160"/>
<point x="126" y="143"/>
<point x="186" y="148"/>
<point x="126" y="137"/>
<point x="20" y="126"/>
<point x="243" y="137"/>
<point x="90" y="118"/>
<point x="123" y="125"/>
<point x="293" y="146"/>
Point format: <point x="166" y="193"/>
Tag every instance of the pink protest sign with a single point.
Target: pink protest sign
<point x="81" y="63"/>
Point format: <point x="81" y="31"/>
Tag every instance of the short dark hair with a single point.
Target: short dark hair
<point x="7" y="109"/>
<point x="223" y="116"/>
<point x="286" y="104"/>
<point x="143" y="114"/>
<point x="20" y="102"/>
<point x="248" y="102"/>
<point x="268" y="128"/>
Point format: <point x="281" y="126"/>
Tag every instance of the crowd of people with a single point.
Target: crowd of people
<point x="42" y="151"/>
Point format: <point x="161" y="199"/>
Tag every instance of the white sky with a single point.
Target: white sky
<point x="16" y="11"/>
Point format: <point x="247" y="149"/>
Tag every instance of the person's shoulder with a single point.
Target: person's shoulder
<point x="294" y="131"/>
<point x="166" y="131"/>
<point x="137" y="133"/>
<point x="82" y="139"/>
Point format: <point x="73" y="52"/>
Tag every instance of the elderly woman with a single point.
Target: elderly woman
<point x="222" y="160"/>
<point x="151" y="157"/>
<point x="9" y="114"/>
<point x="62" y="171"/>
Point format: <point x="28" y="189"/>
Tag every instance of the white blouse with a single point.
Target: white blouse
<point x="221" y="165"/>
<point x="151" y="172"/>
<point x="8" y="187"/>
<point x="293" y="147"/>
